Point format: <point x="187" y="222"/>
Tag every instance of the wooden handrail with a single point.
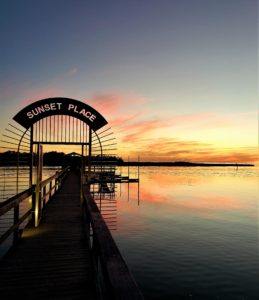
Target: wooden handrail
<point x="15" y="200"/>
<point x="119" y="281"/>
<point x="55" y="176"/>
<point x="15" y="226"/>
<point x="13" y="203"/>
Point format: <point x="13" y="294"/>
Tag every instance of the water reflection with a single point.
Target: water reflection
<point x="8" y="189"/>
<point x="194" y="232"/>
<point x="104" y="196"/>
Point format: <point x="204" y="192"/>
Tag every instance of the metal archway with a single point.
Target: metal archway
<point x="57" y="121"/>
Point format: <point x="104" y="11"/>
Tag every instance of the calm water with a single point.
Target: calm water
<point x="193" y="232"/>
<point x="8" y="189"/>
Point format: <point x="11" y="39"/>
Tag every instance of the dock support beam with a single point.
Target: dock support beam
<point x="37" y="214"/>
<point x="89" y="155"/>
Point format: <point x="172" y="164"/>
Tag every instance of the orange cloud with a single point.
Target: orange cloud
<point x="136" y="130"/>
<point x="141" y="129"/>
<point x="166" y="149"/>
<point x="122" y="120"/>
<point x="156" y="137"/>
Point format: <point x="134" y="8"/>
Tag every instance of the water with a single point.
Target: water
<point x="8" y="189"/>
<point x="193" y="232"/>
<point x="8" y="179"/>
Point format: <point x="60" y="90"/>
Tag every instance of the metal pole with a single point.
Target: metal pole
<point x="128" y="167"/>
<point x="138" y="167"/>
<point x="138" y="180"/>
<point x="38" y="186"/>
<point x="128" y="177"/>
<point x="89" y="154"/>
<point x="82" y="177"/>
<point x="31" y="157"/>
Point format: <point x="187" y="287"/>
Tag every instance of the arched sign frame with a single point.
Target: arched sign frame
<point x="38" y="121"/>
<point x="60" y="106"/>
<point x="37" y="111"/>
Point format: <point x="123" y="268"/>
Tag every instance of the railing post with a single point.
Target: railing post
<point x="16" y="220"/>
<point x="33" y="203"/>
<point x="38" y="193"/>
<point x="89" y="155"/>
<point x="37" y="205"/>
<point x="44" y="196"/>
<point x="38" y="185"/>
<point x="50" y="189"/>
<point x="55" y="185"/>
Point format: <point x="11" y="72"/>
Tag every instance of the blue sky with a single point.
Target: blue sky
<point x="183" y="71"/>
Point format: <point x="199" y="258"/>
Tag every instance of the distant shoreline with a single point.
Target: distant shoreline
<point x="54" y="158"/>
<point x="146" y="164"/>
<point x="181" y="164"/>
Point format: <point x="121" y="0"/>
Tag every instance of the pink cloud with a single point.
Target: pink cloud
<point x="126" y="105"/>
<point x="106" y="103"/>
<point x="123" y="120"/>
<point x="141" y="129"/>
<point x="114" y="102"/>
<point x="136" y="131"/>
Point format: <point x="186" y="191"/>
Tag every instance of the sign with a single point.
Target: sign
<point x="60" y="106"/>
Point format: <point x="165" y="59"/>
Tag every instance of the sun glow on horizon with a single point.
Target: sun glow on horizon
<point x="194" y="137"/>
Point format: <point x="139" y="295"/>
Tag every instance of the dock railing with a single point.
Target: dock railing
<point x="113" y="277"/>
<point x="46" y="190"/>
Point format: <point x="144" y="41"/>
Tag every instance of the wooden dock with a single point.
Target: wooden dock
<point x="68" y="251"/>
<point x="52" y="261"/>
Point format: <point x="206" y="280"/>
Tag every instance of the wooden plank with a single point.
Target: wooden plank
<point x="121" y="283"/>
<point x="52" y="261"/>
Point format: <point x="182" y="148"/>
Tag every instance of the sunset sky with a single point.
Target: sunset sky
<point x="176" y="79"/>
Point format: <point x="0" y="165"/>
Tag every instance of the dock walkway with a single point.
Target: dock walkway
<point x="52" y="261"/>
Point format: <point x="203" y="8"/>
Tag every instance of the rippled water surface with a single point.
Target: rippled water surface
<point x="192" y="234"/>
<point x="8" y="189"/>
<point x="189" y="233"/>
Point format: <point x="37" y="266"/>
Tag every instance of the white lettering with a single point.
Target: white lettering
<point x="53" y="106"/>
<point x="70" y="106"/>
<point x="30" y="115"/>
<point x="35" y="111"/>
<point x="82" y="112"/>
<point x="41" y="109"/>
<point x="87" y="114"/>
<point x="92" y="118"/>
<point x="47" y="108"/>
<point x="59" y="105"/>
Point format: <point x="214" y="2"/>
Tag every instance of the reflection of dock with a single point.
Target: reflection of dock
<point x="116" y="179"/>
<point x="68" y="252"/>
<point x="103" y="185"/>
<point x="108" y="175"/>
<point x="66" y="256"/>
